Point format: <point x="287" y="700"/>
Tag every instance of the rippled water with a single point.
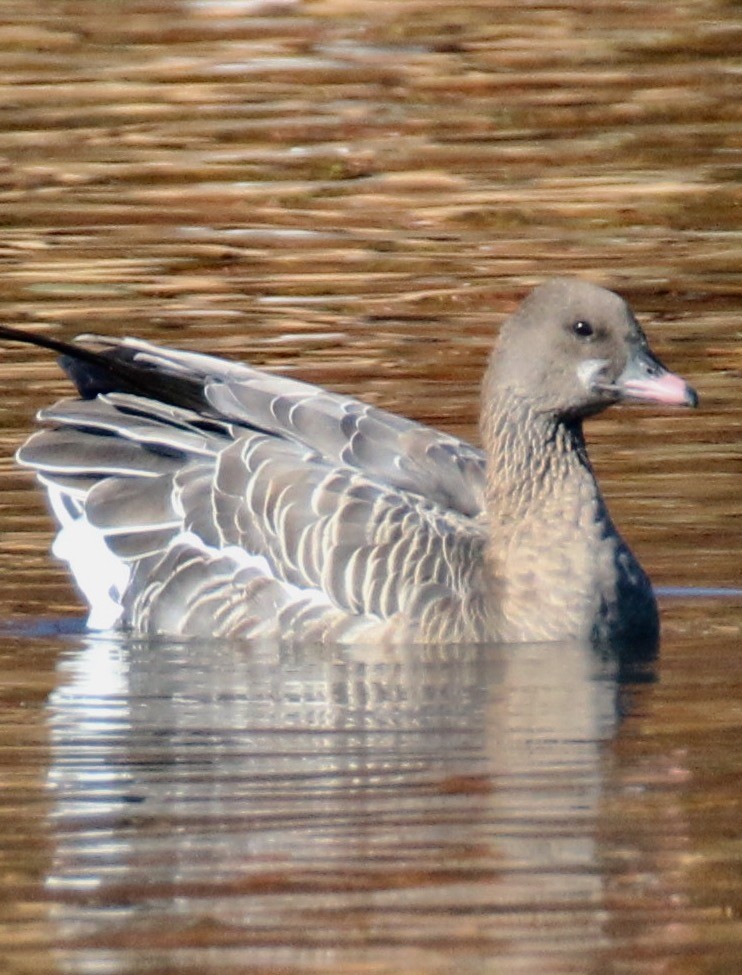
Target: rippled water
<point x="358" y="193"/>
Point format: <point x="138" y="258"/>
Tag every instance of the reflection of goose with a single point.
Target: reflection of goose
<point x="214" y="799"/>
<point x="199" y="497"/>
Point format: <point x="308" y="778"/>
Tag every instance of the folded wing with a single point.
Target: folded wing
<point x="277" y="508"/>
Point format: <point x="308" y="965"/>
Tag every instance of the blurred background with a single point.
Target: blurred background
<point x="358" y="192"/>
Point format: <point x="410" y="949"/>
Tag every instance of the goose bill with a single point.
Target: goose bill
<point x="645" y="380"/>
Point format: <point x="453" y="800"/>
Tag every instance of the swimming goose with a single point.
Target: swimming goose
<point x="199" y="497"/>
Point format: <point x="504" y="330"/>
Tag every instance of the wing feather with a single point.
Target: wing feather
<point x="283" y="506"/>
<point x="387" y="447"/>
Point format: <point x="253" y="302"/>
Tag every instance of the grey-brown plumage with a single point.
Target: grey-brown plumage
<point x="201" y="497"/>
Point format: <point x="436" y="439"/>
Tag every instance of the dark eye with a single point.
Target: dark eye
<point x="583" y="330"/>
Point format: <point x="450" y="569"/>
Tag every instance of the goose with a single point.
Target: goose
<point x="198" y="497"/>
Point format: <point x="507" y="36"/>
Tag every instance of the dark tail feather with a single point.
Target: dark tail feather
<point x="115" y="370"/>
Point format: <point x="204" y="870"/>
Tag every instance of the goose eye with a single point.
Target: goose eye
<point x="583" y="330"/>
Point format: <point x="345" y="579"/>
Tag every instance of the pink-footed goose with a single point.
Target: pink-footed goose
<point x="198" y="497"/>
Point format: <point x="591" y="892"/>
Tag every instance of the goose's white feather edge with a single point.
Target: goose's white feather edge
<point x="100" y="576"/>
<point x="103" y="578"/>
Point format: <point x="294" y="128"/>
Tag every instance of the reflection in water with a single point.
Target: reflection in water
<point x="435" y="799"/>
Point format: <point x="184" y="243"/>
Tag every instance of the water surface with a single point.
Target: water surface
<point x="358" y="194"/>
